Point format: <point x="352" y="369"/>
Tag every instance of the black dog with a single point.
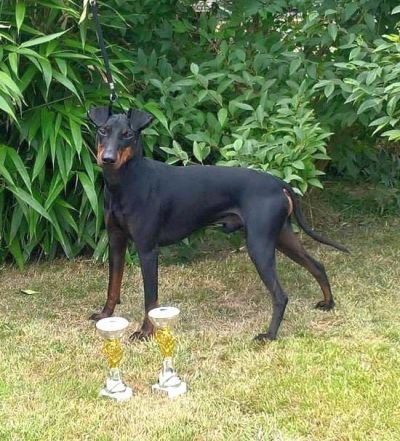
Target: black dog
<point x="155" y="204"/>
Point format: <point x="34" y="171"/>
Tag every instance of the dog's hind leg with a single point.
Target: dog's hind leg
<point x="290" y="245"/>
<point x="261" y="241"/>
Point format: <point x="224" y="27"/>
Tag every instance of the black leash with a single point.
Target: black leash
<point x="113" y="95"/>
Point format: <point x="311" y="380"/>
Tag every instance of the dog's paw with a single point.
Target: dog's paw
<point x="264" y="337"/>
<point x="139" y="336"/>
<point x="323" y="306"/>
<point x="98" y="316"/>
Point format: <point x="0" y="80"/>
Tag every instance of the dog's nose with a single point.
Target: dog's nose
<point x="108" y="159"/>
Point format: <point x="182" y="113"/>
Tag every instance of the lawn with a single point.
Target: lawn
<point x="329" y="376"/>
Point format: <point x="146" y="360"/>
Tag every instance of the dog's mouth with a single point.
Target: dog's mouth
<point x="123" y="156"/>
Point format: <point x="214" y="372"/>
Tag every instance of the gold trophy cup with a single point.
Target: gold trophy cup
<point x="164" y="318"/>
<point x="112" y="329"/>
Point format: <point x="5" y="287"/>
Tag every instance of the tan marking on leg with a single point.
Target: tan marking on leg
<point x="290" y="208"/>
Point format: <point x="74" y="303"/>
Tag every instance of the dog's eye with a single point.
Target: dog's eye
<point x="102" y="132"/>
<point x="128" y="134"/>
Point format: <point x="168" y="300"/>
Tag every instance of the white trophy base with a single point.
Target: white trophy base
<point x="171" y="391"/>
<point x="116" y="390"/>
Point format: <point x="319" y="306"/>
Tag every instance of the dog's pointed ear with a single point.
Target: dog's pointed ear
<point x="139" y="120"/>
<point x="99" y="115"/>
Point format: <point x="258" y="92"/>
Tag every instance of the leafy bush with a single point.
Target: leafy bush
<point x="244" y="83"/>
<point x="48" y="181"/>
<point x="206" y="118"/>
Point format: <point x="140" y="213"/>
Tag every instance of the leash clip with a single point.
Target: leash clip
<point x="113" y="95"/>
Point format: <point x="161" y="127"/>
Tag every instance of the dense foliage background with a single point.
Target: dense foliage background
<point x="279" y="86"/>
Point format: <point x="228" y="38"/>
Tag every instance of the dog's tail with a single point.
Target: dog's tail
<point x="298" y="214"/>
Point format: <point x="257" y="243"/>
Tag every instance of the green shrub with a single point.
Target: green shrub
<point x="246" y="83"/>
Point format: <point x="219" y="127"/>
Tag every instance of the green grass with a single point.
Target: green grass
<point x="330" y="376"/>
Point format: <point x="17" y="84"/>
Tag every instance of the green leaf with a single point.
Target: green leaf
<point x="31" y="201"/>
<point x="333" y="30"/>
<point x="156" y="83"/>
<point x="6" y="107"/>
<point x="371" y="77"/>
<point x="260" y="114"/>
<point x="27" y="77"/>
<point x="29" y="292"/>
<point x="222" y="115"/>
<point x="19" y="166"/>
<point x="315" y="182"/>
<point x="15" y="222"/>
<point x="61" y="235"/>
<point x="368" y="104"/>
<point x="66" y="219"/>
<point x="88" y="164"/>
<point x="391" y="105"/>
<point x="90" y="191"/>
<point x="393" y="135"/>
<point x="294" y="65"/>
<point x="76" y="135"/>
<point x="185" y="82"/>
<point x="379" y="121"/>
<point x="329" y="88"/>
<point x="101" y="246"/>
<point x="194" y="68"/>
<point x="66" y="83"/>
<point x="15" y="250"/>
<point x="19" y="13"/>
<point x="47" y="73"/>
<point x="197" y="151"/>
<point x="3" y="170"/>
<point x="54" y="138"/>
<point x="396" y="10"/>
<point x="243" y="106"/>
<point x="40" y="160"/>
<point x="349" y="10"/>
<point x="55" y="189"/>
<point x="299" y="165"/>
<point x="44" y="39"/>
<point x="202" y="94"/>
<point x="154" y="109"/>
<point x="370" y="21"/>
<point x="9" y="83"/>
<point x="62" y="65"/>
<point x="13" y="60"/>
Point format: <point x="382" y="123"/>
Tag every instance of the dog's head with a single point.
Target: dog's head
<point x="118" y="136"/>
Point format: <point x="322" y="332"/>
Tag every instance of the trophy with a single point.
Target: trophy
<point x="112" y="329"/>
<point x="169" y="383"/>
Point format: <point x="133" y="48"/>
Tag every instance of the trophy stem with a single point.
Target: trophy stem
<point x="168" y="364"/>
<point x="115" y="374"/>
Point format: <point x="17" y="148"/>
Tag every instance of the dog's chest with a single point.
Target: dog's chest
<point x="118" y="213"/>
<point x="126" y="217"/>
<point x="120" y="218"/>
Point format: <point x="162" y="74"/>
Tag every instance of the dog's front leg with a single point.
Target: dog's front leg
<point x="149" y="266"/>
<point x="117" y="248"/>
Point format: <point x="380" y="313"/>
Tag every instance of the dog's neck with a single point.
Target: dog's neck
<point x="115" y="178"/>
